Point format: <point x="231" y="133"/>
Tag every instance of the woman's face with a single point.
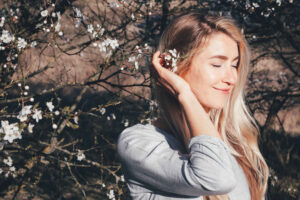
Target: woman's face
<point x="213" y="72"/>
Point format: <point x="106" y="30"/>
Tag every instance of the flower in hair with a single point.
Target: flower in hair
<point x="170" y="58"/>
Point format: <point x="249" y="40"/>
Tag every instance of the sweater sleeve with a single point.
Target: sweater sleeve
<point x="207" y="170"/>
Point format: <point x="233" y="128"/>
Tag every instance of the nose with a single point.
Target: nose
<point x="230" y="75"/>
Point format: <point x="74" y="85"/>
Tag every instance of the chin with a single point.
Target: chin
<point x="210" y="106"/>
<point x="212" y="103"/>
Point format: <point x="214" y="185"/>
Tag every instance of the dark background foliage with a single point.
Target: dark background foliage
<point x="97" y="96"/>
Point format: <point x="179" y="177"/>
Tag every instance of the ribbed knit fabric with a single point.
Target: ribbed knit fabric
<point x="155" y="169"/>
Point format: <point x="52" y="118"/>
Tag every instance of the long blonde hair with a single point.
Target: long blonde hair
<point x="187" y="34"/>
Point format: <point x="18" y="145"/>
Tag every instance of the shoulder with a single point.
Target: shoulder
<point x="141" y="130"/>
<point x="139" y="134"/>
<point x="144" y="139"/>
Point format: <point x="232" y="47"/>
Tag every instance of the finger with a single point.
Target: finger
<point x="156" y="61"/>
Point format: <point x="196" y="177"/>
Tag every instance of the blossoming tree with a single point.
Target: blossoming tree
<point x="74" y="73"/>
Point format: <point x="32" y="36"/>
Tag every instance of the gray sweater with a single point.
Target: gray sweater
<point x="155" y="169"/>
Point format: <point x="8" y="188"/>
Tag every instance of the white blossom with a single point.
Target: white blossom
<point x="173" y="53"/>
<point x="21" y="43"/>
<point x="132" y="59"/>
<point x="132" y="16"/>
<point x="78" y="12"/>
<point x="54" y="126"/>
<point x="50" y="106"/>
<point x="26" y="87"/>
<point x="26" y="110"/>
<point x="8" y="161"/>
<point x="76" y="118"/>
<point x="95" y="34"/>
<point x="113" y="43"/>
<point x="25" y="93"/>
<point x="80" y="155"/>
<point x="147" y="46"/>
<point x="11" y="131"/>
<point x="108" y="42"/>
<point x="37" y="115"/>
<point x="12" y="169"/>
<point x="90" y="28"/>
<point x="58" y="16"/>
<point x="33" y="44"/>
<point x="77" y="23"/>
<point x="168" y="57"/>
<point x="31" y="99"/>
<point x="136" y="65"/>
<point x="113" y="116"/>
<point x="111" y="194"/>
<point x="30" y="128"/>
<point x="44" y="13"/>
<point x="255" y="5"/>
<point x="126" y="122"/>
<point x="57" y="27"/>
<point x="60" y="33"/>
<point x="122" y="178"/>
<point x="114" y="5"/>
<point x="102" y="47"/>
<point x="22" y="118"/>
<point x="278" y="2"/>
<point x="56" y="112"/>
<point x="102" y="111"/>
<point x="102" y="31"/>
<point x="2" y="21"/>
<point x="6" y="37"/>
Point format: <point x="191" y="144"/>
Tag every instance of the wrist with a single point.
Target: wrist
<point x="186" y="97"/>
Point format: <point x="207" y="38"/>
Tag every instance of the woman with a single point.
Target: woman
<point x="204" y="143"/>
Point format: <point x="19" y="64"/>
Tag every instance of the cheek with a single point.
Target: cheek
<point x="211" y="78"/>
<point x="207" y="77"/>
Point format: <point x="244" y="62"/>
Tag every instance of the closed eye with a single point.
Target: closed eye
<point x="235" y="66"/>
<point x="216" y="65"/>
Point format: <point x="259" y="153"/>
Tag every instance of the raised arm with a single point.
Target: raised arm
<point x="149" y="161"/>
<point x="198" y="120"/>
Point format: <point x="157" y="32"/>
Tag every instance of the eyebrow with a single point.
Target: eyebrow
<point x="223" y="57"/>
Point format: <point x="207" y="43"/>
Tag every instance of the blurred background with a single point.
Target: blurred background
<point x="74" y="74"/>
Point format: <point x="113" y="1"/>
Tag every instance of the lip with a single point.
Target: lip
<point x="225" y="91"/>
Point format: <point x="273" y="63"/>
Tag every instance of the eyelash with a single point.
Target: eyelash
<point x="235" y="66"/>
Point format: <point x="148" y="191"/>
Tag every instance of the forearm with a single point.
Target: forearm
<point x="197" y="119"/>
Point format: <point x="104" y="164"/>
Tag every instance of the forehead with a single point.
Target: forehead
<point x="220" y="44"/>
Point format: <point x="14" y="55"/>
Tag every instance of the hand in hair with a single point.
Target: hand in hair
<point x="173" y="82"/>
<point x="198" y="120"/>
